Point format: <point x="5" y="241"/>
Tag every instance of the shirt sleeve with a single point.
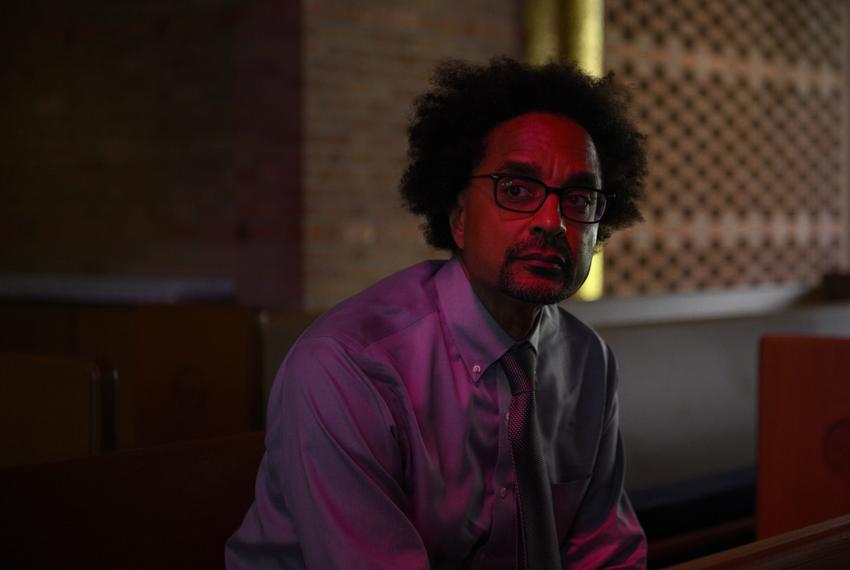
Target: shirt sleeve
<point x="333" y="467"/>
<point x="606" y="532"/>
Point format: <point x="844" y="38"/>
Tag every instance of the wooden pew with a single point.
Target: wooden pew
<point x="51" y="408"/>
<point x="824" y="546"/>
<point x="803" y="462"/>
<point x="169" y="506"/>
<point x="186" y="371"/>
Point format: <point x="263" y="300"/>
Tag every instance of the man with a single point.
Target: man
<point x="453" y="416"/>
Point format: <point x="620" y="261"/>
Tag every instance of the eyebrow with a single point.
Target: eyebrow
<point x="583" y="178"/>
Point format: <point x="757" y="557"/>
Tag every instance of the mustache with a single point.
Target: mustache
<point x="541" y="245"/>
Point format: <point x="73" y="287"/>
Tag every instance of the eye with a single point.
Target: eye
<point x="517" y="190"/>
<point x="578" y="200"/>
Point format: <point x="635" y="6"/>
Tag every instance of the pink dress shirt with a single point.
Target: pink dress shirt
<point x="387" y="444"/>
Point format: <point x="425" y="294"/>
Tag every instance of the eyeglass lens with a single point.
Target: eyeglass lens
<point x="524" y="195"/>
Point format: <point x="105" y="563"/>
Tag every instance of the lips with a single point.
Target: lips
<point x="548" y="258"/>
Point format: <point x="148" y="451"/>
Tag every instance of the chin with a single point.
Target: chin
<point x="539" y="287"/>
<point x="537" y="298"/>
<point x="537" y="293"/>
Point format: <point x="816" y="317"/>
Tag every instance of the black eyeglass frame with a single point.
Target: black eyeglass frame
<point x="496" y="176"/>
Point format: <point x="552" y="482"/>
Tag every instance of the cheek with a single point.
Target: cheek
<point x="488" y="244"/>
<point x="498" y="230"/>
<point x="590" y="236"/>
<point x="478" y="221"/>
<point x="583" y="243"/>
<point x="489" y="232"/>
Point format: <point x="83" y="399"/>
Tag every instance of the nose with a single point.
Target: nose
<point x="548" y="220"/>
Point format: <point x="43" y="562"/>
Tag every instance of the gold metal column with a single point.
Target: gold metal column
<point x="581" y="40"/>
<point x="569" y="30"/>
<point x="542" y="31"/>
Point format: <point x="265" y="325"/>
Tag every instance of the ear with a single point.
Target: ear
<point x="457" y="219"/>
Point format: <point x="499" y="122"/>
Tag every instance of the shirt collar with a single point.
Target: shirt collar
<point x="479" y="339"/>
<point x="534" y="338"/>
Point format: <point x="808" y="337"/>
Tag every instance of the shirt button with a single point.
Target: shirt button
<point x="507" y="416"/>
<point x="503" y="492"/>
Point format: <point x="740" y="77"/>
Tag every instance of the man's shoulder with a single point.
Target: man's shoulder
<point x="388" y="306"/>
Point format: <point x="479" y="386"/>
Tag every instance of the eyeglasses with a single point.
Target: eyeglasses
<point x="523" y="194"/>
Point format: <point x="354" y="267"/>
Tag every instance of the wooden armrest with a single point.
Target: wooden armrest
<point x="821" y="546"/>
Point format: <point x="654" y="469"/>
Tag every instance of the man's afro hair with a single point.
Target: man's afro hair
<point x="450" y="122"/>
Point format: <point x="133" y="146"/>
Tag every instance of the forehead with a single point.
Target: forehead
<point x="551" y="145"/>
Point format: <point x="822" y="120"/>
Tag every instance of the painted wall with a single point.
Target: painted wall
<point x="688" y="390"/>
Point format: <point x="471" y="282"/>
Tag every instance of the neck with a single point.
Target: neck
<point x="517" y="318"/>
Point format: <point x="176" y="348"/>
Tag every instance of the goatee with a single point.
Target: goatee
<point x="553" y="287"/>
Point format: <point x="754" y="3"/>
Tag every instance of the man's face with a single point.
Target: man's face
<point x="539" y="258"/>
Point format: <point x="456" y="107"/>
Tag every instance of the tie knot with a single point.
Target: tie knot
<point x="519" y="364"/>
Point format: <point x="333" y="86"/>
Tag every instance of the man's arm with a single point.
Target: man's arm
<point x="606" y="532"/>
<point x="333" y="468"/>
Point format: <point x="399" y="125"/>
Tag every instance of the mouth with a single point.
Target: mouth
<point x="544" y="261"/>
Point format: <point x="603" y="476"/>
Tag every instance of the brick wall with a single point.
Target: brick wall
<point x="153" y="138"/>
<point x="145" y="138"/>
<point x="364" y="63"/>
